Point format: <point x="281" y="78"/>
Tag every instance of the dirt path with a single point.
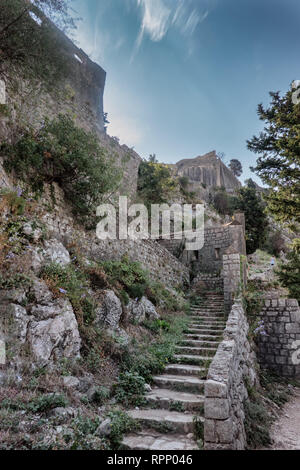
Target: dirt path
<point x="285" y="431"/>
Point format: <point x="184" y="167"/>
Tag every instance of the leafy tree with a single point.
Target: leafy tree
<point x="279" y="163"/>
<point x="236" y="167"/>
<point x="152" y="158"/>
<point x="28" y="37"/>
<point x="156" y="183"/>
<point x="69" y="156"/>
<point x="250" y="183"/>
<point x="223" y="202"/>
<point x="289" y="274"/>
<point x="256" y="220"/>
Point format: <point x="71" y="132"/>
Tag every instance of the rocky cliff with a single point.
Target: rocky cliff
<point x="208" y="171"/>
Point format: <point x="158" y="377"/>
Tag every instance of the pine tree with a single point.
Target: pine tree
<point x="279" y="167"/>
<point x="289" y="274"/>
<point x="279" y="163"/>
<point x="249" y="202"/>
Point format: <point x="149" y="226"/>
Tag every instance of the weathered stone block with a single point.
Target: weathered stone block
<point x="224" y="431"/>
<point x="210" y="430"/>
<point x="216" y="408"/>
<point x="215" y="389"/>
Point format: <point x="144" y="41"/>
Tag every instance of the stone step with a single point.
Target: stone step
<point x="175" y="401"/>
<point x="207" y="318"/>
<point x="200" y="343"/>
<point x="185" y="369"/>
<point x="208" y="313"/>
<point x="202" y="336"/>
<point x="192" y="359"/>
<point x="188" y="383"/>
<point x="210" y="305"/>
<point x="214" y="326"/>
<point x="202" y="331"/>
<point x="196" y="351"/>
<point x="155" y="441"/>
<point x="164" y="421"/>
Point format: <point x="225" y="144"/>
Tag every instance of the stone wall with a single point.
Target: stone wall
<point x="219" y="241"/>
<point x="225" y="389"/>
<point x="232" y="278"/>
<point x="211" y="282"/>
<point x="279" y="349"/>
<point x="160" y="263"/>
<point x="80" y="95"/>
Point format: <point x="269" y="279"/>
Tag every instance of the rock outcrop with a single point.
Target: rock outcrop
<point x="208" y="171"/>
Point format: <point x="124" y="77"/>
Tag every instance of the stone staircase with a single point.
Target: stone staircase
<point x="177" y="396"/>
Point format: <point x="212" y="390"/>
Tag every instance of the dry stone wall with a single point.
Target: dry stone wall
<point x="225" y="389"/>
<point x="279" y="345"/>
<point x="232" y="278"/>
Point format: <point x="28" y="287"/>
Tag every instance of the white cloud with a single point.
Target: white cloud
<point x="158" y="16"/>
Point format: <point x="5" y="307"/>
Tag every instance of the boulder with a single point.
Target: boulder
<point x="119" y="335"/>
<point x="109" y="313"/>
<point x="17" y="296"/>
<point x="13" y="322"/>
<point x="41" y="293"/>
<point x="150" y="311"/>
<point x="62" y="415"/>
<point x="52" y="310"/>
<point x="71" y="382"/>
<point x="33" y="233"/>
<point x="139" y="310"/>
<point x="104" y="429"/>
<point x="136" y="312"/>
<point x="36" y="258"/>
<point x="55" y="252"/>
<point x="55" y="338"/>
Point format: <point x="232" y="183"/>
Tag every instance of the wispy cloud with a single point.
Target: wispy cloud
<point x="158" y="16"/>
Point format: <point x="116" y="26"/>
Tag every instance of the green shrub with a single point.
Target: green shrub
<point x="69" y="156"/>
<point x="121" y="424"/>
<point x="47" y="402"/>
<point x="137" y="291"/>
<point x="125" y="272"/>
<point x="100" y="395"/>
<point x="149" y="358"/>
<point x="130" y="388"/>
<point x="157" y="325"/>
<point x="73" y="283"/>
<point x="15" y="202"/>
<point x="257" y="424"/>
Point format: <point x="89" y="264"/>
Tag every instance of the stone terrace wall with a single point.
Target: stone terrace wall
<point x="160" y="263"/>
<point x="225" y="389"/>
<point x="206" y="281"/>
<point x="280" y="349"/>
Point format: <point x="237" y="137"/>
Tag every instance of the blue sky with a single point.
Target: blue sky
<point x="184" y="77"/>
